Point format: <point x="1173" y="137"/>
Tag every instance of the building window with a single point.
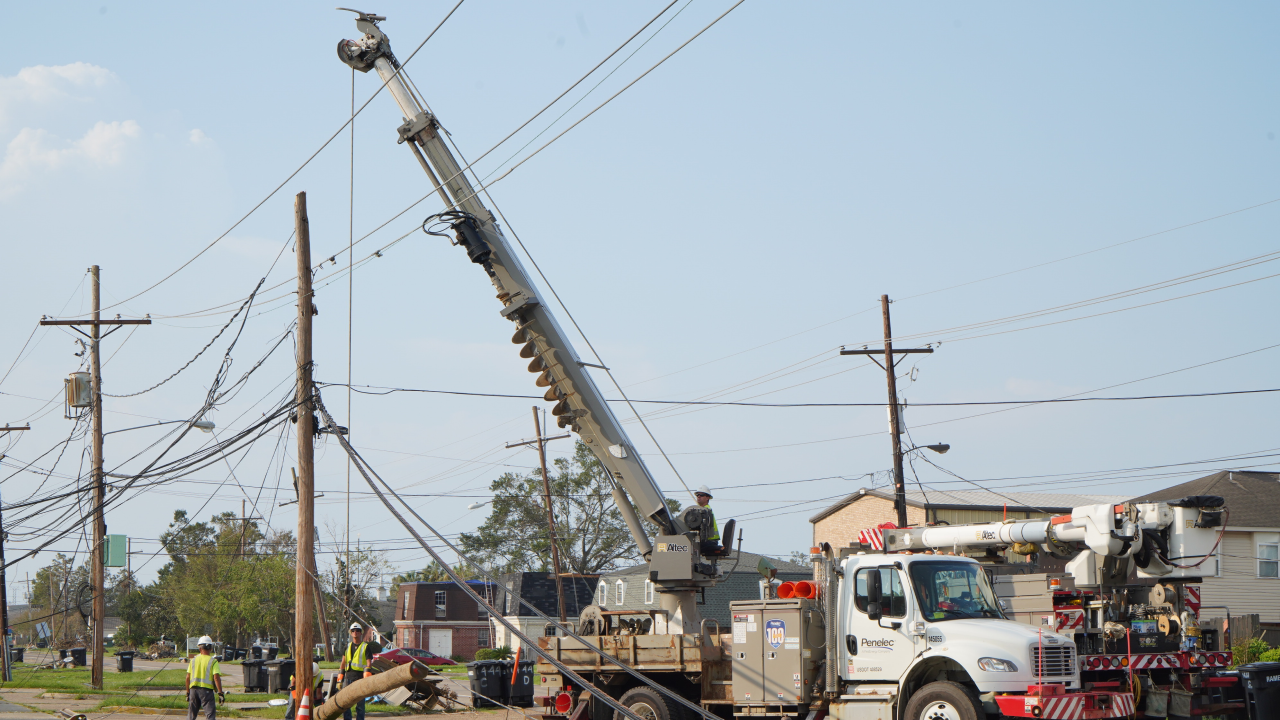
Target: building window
<point x="440" y="604"/>
<point x="1268" y="555"/>
<point x="620" y="592"/>
<point x="404" y="614"/>
<point x="482" y="638"/>
<point x="602" y="594"/>
<point x="648" y="592"/>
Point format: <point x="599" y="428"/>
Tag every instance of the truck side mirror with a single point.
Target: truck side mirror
<point x="874" y="595"/>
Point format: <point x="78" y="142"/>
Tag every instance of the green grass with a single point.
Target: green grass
<point x="178" y="701"/>
<point x="77" y="680"/>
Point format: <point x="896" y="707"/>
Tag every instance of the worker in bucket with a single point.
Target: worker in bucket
<point x="355" y="661"/>
<point x="204" y="677"/>
<point x="317" y="692"/>
<point x="702" y="518"/>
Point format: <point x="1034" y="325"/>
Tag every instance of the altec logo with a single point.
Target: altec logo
<point x="672" y="547"/>
<point x="984" y="535"/>
<point x="877" y="643"/>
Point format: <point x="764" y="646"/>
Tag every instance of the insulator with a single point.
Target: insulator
<point x="520" y="336"/>
<point x="553" y="393"/>
<point x="536" y="365"/>
<point x="561" y="408"/>
<point x="529" y="350"/>
<point x="545" y="379"/>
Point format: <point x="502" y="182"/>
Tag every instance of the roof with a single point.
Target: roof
<point x="539" y="589"/>
<point x="729" y="564"/>
<point x="979" y="500"/>
<point x="1253" y="498"/>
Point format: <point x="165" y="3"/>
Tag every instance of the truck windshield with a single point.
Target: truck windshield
<point x="952" y="590"/>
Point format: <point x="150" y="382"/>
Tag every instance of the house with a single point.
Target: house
<point x="442" y="618"/>
<point x="839" y="524"/>
<point x="630" y="589"/>
<point x="539" y="588"/>
<point x="1245" y="575"/>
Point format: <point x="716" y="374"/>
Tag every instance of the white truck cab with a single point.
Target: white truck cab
<point x="928" y="628"/>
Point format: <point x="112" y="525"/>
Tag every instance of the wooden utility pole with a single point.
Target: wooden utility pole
<point x="4" y="586"/>
<point x="304" y="586"/>
<point x="895" y="427"/>
<point x="98" y="572"/>
<point x="551" y="516"/>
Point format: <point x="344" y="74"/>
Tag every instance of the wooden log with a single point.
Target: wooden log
<point x="347" y="697"/>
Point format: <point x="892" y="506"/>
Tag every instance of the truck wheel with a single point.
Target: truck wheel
<point x="648" y="704"/>
<point x="944" y="701"/>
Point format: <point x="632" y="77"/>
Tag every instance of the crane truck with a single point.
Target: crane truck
<point x="903" y="624"/>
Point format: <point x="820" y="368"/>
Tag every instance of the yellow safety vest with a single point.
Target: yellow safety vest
<point x="715" y="525"/>
<point x="201" y="670"/>
<point x="360" y="662"/>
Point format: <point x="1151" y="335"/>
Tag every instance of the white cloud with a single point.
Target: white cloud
<point x="198" y="137"/>
<point x="45" y="84"/>
<point x="35" y="151"/>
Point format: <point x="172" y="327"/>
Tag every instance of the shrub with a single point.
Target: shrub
<point x="1272" y="655"/>
<point x="1250" y="651"/>
<point x="502" y="653"/>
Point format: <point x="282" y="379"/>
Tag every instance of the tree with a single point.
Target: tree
<point x="431" y="573"/>
<point x="593" y="536"/>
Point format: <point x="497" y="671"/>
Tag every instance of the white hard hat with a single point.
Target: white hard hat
<point x="356" y="626"/>
<point x="703" y="490"/>
<point x="205" y="640"/>
<point x="315" y="669"/>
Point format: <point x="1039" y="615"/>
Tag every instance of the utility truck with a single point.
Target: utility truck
<point x="905" y="623"/>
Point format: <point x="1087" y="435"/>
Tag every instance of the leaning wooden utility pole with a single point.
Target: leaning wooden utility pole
<point x="304" y="587"/>
<point x="551" y="517"/>
<point x="895" y="426"/>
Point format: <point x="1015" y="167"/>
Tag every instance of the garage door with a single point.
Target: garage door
<point x="441" y="642"/>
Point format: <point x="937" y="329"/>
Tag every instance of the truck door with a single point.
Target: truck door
<point x="878" y="650"/>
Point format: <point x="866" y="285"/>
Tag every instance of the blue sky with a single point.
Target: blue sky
<point x="719" y="229"/>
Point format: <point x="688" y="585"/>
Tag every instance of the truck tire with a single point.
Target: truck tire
<point x="944" y="701"/>
<point x="649" y="704"/>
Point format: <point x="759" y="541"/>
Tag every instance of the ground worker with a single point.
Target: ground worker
<point x="317" y="694"/>
<point x="204" y="677"/>
<point x="355" y="661"/>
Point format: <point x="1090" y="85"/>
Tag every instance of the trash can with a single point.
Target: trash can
<point x="272" y="653"/>
<point x="486" y="683"/>
<point x="62" y="654"/>
<point x="78" y="656"/>
<point x="255" y="680"/>
<point x="1261" y="689"/>
<point x="271" y="669"/>
<point x="256" y="652"/>
<point x="228" y="654"/>
<point x="240" y="654"/>
<point x="519" y="686"/>
<point x="286" y="672"/>
<point x="15" y="654"/>
<point x="124" y="661"/>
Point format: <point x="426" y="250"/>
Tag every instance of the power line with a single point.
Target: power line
<point x="390" y="390"/>
<point x="291" y="175"/>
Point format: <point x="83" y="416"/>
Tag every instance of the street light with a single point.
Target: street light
<point x="940" y="448"/>
<point x="478" y="505"/>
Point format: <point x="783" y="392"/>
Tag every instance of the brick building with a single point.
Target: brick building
<point x="440" y="617"/>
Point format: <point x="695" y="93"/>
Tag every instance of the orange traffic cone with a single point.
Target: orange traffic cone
<point x="304" y="707"/>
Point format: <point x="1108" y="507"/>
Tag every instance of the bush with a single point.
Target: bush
<point x="1272" y="655"/>
<point x="1250" y="651"/>
<point x="502" y="653"/>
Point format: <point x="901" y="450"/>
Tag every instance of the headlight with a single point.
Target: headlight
<point x="996" y="665"/>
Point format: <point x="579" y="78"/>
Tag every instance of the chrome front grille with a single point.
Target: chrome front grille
<point x="1057" y="660"/>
